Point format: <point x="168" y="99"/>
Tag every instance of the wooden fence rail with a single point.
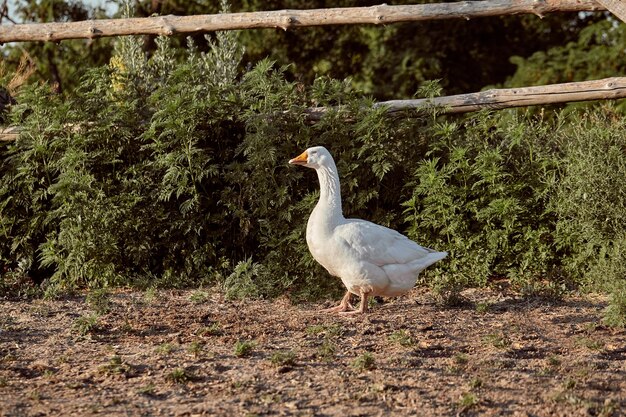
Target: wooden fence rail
<point x="608" y="88"/>
<point x="286" y="19"/>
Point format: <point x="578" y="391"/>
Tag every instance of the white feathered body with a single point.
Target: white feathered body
<point x="369" y="259"/>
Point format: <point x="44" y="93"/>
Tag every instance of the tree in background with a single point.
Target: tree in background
<point x="384" y="61"/>
<point x="62" y="63"/>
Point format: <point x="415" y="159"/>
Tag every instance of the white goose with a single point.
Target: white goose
<point x="370" y="259"/>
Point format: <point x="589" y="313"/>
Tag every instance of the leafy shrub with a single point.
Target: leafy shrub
<point x="166" y="171"/>
<point x="172" y="171"/>
<point x="481" y="193"/>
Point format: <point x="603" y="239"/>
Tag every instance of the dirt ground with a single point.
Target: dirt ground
<point x="193" y="353"/>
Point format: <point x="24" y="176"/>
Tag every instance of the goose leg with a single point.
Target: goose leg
<point x="342" y="307"/>
<point x="362" y="307"/>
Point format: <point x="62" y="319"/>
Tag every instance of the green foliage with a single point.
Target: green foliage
<point x="243" y="348"/>
<point x="595" y="53"/>
<point x="85" y="324"/>
<point x="481" y="193"/>
<point x="284" y="358"/>
<point x="179" y="376"/>
<point x="99" y="300"/>
<point x="365" y="362"/>
<point x="171" y="171"/>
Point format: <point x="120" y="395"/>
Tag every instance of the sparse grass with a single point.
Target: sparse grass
<point x="199" y="297"/>
<point x="365" y="362"/>
<point x="483" y="307"/>
<point x="243" y="348"/>
<point x="99" y="300"/>
<point x="590" y="343"/>
<point x="195" y="348"/>
<point x="8" y="323"/>
<point x="570" y="384"/>
<point x="283" y="358"/>
<point x="86" y="324"/>
<point x="553" y="361"/>
<point x="460" y="359"/>
<point x="164" y="349"/>
<point x="213" y="330"/>
<point x="401" y="337"/>
<point x="148" y="389"/>
<point x="467" y="401"/>
<point x="179" y="376"/>
<point x="327" y="350"/>
<point x="476" y="383"/>
<point x="608" y="408"/>
<point x="3" y="382"/>
<point x="115" y="366"/>
<point x="149" y="295"/>
<point x="333" y="330"/>
<point x="35" y="395"/>
<point x="315" y="329"/>
<point x="615" y="313"/>
<point x="497" y="340"/>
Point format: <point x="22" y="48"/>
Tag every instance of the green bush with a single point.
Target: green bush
<point x="172" y="171"/>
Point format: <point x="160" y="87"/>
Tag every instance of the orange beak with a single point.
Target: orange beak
<point x="300" y="159"/>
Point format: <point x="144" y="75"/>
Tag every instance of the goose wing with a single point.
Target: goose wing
<point x="378" y="244"/>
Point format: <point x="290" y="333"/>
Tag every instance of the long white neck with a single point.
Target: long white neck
<point x="329" y="205"/>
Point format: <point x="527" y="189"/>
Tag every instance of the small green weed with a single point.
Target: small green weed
<point x="590" y="343"/>
<point x="364" y="362"/>
<point x="243" y="348"/>
<point x="476" y="383"/>
<point x="284" y="358"/>
<point x="149" y="295"/>
<point x="179" y="376"/>
<point x="401" y="337"/>
<point x="148" y="389"/>
<point x="497" y="340"/>
<point x="570" y="384"/>
<point x="86" y="324"/>
<point x="195" y="348"/>
<point x="332" y="330"/>
<point x="327" y="350"/>
<point x="115" y="366"/>
<point x="213" y="330"/>
<point x="199" y="297"/>
<point x="553" y="361"/>
<point x="467" y="401"/>
<point x="315" y="329"/>
<point x="460" y="359"/>
<point x="483" y="307"/>
<point x="99" y="300"/>
<point x="165" y="349"/>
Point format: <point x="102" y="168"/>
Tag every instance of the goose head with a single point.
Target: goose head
<point x="315" y="157"/>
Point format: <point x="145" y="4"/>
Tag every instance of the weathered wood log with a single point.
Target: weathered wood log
<point x="607" y="88"/>
<point x="286" y="19"/>
<point x="617" y="7"/>
<point x="604" y="89"/>
<point x="9" y="134"/>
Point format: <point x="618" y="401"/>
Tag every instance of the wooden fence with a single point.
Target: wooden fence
<point x="610" y="88"/>
<point x="288" y="19"/>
